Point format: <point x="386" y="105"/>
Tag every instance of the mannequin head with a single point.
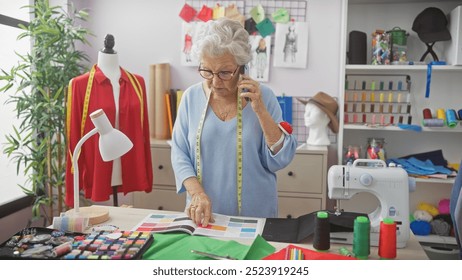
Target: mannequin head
<point x="317" y="121"/>
<point x="314" y="116"/>
<point x="109" y="43"/>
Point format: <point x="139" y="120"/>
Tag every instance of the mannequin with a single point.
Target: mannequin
<point x="317" y="121"/>
<point x="122" y="96"/>
<point x="108" y="63"/>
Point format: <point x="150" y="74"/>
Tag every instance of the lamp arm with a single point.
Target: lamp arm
<point x="75" y="164"/>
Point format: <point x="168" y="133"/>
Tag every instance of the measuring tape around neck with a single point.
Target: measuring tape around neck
<point x="238" y="147"/>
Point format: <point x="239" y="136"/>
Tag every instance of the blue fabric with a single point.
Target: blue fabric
<point x="218" y="149"/>
<point x="455" y="207"/>
<point x="419" y="167"/>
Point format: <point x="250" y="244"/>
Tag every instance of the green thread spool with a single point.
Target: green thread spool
<point x="345" y="252"/>
<point x="361" y="237"/>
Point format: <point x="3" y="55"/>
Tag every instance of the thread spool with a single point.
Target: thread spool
<point x="440" y="114"/>
<point x="427" y="113"/>
<point x="387" y="239"/>
<point x="433" y="122"/>
<point x="361" y="237"/>
<point x="451" y="119"/>
<point x="321" y="240"/>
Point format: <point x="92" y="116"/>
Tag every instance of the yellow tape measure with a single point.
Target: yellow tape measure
<point x="238" y="146"/>
<point x="86" y="100"/>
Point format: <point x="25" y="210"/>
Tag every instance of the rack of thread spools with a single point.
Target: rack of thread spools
<point x="441" y="117"/>
<point x="377" y="100"/>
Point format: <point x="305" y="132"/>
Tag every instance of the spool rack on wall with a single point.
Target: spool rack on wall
<point x="377" y="100"/>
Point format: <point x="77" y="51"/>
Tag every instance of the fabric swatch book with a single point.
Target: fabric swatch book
<point x="224" y="226"/>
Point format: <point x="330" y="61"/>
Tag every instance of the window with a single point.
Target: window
<point x="10" y="15"/>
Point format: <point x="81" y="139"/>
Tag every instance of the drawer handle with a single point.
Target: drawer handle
<point x="161" y="166"/>
<point x="290" y="173"/>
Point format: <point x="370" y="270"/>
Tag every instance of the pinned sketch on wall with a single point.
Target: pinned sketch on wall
<point x="261" y="50"/>
<point x="291" y="45"/>
<point x="188" y="35"/>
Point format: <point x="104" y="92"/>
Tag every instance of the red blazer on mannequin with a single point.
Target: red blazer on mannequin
<point x="94" y="173"/>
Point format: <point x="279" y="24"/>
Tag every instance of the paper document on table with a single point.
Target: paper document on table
<point x="224" y="226"/>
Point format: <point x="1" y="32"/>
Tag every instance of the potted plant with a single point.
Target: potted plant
<point x="40" y="81"/>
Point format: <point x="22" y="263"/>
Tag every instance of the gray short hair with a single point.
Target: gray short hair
<point x="223" y="36"/>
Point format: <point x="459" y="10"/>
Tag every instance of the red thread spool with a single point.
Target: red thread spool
<point x="387" y="239"/>
<point x="427" y="113"/>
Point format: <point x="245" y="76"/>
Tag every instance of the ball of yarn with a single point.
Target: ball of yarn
<point x="443" y="206"/>
<point x="429" y="208"/>
<point x="422" y="215"/>
<point x="421" y="227"/>
<point x="440" y="227"/>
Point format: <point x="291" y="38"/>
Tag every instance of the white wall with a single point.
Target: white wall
<point x="149" y="32"/>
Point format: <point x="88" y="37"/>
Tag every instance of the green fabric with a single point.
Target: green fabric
<point x="178" y="246"/>
<point x="281" y="16"/>
<point x="265" y="27"/>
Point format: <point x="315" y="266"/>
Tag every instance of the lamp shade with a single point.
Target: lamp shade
<point x="112" y="143"/>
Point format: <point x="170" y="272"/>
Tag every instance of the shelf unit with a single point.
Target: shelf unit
<point x="367" y="16"/>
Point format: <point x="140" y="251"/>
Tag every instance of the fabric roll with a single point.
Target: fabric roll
<point x="151" y="99"/>
<point x="159" y="84"/>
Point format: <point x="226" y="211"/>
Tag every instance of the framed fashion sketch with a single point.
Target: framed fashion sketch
<point x="189" y="32"/>
<point x="291" y="45"/>
<point x="261" y="50"/>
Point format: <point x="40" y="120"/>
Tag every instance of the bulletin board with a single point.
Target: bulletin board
<point x="296" y="8"/>
<point x="298" y="12"/>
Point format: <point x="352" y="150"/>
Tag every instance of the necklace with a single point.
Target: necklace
<point x="223" y="114"/>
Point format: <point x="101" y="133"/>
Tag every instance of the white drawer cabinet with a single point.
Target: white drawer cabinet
<point x="302" y="186"/>
<point x="163" y="195"/>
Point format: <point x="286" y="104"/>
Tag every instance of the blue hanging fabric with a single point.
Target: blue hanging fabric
<point x="429" y="75"/>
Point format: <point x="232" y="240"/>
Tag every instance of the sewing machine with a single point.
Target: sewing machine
<point x="388" y="184"/>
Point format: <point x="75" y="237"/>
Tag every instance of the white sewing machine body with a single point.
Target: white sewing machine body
<point x="389" y="184"/>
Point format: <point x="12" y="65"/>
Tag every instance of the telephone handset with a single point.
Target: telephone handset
<point x="245" y="70"/>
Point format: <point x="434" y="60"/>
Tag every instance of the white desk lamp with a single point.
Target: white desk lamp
<point x="112" y="144"/>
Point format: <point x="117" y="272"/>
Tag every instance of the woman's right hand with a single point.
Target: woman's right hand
<point x="200" y="209"/>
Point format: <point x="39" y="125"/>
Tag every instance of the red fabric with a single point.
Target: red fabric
<point x="95" y="174"/>
<point x="187" y="13"/>
<point x="308" y="255"/>
<point x="205" y="14"/>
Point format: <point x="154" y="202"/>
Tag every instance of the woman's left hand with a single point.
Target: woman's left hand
<point x="251" y="90"/>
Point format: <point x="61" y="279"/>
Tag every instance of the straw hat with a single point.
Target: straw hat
<point x="328" y="104"/>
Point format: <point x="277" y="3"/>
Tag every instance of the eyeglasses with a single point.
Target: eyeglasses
<point x="223" y="75"/>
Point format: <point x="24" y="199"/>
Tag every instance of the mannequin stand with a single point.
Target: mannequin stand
<point x="429" y="51"/>
<point x="95" y="215"/>
<point x="115" y="197"/>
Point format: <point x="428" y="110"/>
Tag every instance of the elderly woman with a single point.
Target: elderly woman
<point x="227" y="140"/>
